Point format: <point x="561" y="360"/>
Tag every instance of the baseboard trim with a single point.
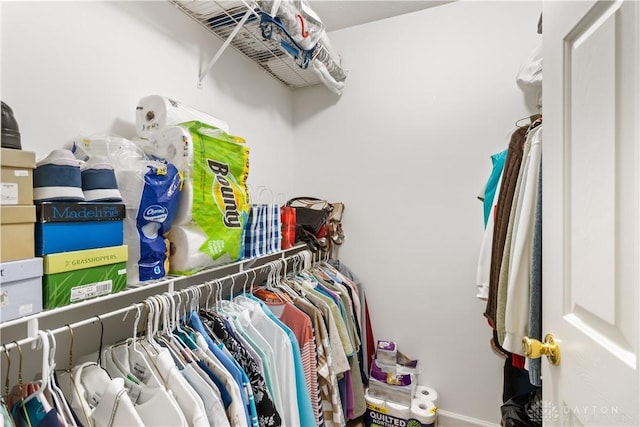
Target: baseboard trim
<point x="451" y="419"/>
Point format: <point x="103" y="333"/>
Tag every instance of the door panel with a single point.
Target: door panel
<point x="591" y="211"/>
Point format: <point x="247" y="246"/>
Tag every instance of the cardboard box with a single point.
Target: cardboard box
<point x="16" y="232"/>
<point x="20" y="288"/>
<point x="16" y="176"/>
<point x="66" y="227"/>
<point x="80" y="275"/>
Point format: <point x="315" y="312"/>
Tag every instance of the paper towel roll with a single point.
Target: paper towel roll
<point x="173" y="144"/>
<point x="155" y="112"/>
<point x="426" y="392"/>
<point x="424" y="411"/>
<point x="184" y="215"/>
<point x="185" y="250"/>
<point x="398" y="410"/>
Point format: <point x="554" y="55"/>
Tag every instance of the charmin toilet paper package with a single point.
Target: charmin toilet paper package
<point x="155" y="112"/>
<point x="150" y="190"/>
<point x="213" y="230"/>
<point x="152" y="195"/>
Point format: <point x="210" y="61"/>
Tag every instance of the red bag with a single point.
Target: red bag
<point x="288" y="220"/>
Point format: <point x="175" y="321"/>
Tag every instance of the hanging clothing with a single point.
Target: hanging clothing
<point x="283" y="353"/>
<point x="306" y="414"/>
<point x="267" y="413"/>
<point x="505" y="198"/>
<point x="518" y="284"/>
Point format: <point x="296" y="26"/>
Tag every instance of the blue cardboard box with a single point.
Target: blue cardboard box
<point x="66" y="227"/>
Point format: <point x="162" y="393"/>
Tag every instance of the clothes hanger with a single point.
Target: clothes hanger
<point x="5" y="396"/>
<point x="20" y="389"/>
<point x="60" y="402"/>
<point x="99" y="361"/>
<point x="532" y="118"/>
<point x="69" y="372"/>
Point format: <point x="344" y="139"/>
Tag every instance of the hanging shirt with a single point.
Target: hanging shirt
<point x="518" y="283"/>
<point x="305" y="409"/>
<point x="238" y="375"/>
<point x="212" y="403"/>
<point x="266" y="411"/>
<point x="190" y="403"/>
<point x="300" y="324"/>
<point x="242" y="321"/>
<point x="283" y="353"/>
<point x="491" y="187"/>
<point x="97" y="399"/>
<point x="235" y="408"/>
<point x="152" y="398"/>
<point x="330" y="404"/>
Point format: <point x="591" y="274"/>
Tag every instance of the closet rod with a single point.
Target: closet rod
<point x="141" y="305"/>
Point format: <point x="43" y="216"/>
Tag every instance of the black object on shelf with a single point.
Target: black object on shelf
<point x="10" y="130"/>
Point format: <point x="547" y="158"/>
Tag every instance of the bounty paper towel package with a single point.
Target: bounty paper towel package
<point x="213" y="234"/>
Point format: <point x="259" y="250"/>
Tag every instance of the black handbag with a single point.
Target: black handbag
<point x="312" y="215"/>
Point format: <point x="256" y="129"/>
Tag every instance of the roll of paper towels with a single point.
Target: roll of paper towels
<point x="426" y="392"/>
<point x="425" y="411"/>
<point x="185" y="249"/>
<point x="155" y="112"/>
<point x="186" y="256"/>
<point x="184" y="214"/>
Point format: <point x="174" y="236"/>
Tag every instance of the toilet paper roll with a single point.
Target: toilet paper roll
<point x="185" y="252"/>
<point x="425" y="411"/>
<point x="155" y="112"/>
<point x="374" y="402"/>
<point x="184" y="214"/>
<point x="173" y="144"/>
<point x="398" y="410"/>
<point x="426" y="392"/>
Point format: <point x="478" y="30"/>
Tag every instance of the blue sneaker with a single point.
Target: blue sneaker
<point x="57" y="178"/>
<point x="99" y="182"/>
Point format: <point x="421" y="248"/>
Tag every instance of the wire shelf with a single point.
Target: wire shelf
<point x="223" y="17"/>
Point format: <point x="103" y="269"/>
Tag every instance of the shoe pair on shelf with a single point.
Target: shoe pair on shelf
<point x="62" y="177"/>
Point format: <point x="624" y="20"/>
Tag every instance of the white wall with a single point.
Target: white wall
<point x="429" y="97"/>
<point x="72" y="67"/>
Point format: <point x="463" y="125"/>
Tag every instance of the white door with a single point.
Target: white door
<point x="591" y="212"/>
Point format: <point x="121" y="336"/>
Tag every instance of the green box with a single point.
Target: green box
<point x="64" y="288"/>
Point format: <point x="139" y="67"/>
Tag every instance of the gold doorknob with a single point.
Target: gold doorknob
<point x="534" y="349"/>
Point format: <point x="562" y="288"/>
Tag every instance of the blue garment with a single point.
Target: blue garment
<point x="307" y="416"/>
<point x="497" y="161"/>
<point x="229" y="364"/>
<point x="33" y="414"/>
<point x="224" y="394"/>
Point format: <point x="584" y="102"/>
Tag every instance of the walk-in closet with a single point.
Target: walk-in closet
<point x="407" y="121"/>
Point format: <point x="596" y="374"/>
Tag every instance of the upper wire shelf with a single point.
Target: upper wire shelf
<point x="237" y="23"/>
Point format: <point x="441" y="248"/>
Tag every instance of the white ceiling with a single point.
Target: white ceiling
<point x="338" y="14"/>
